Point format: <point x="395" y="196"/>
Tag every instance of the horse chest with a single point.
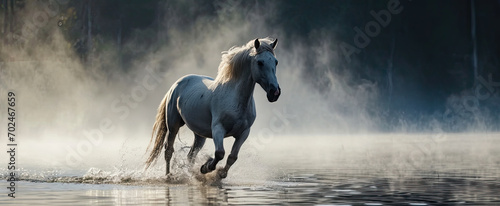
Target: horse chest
<point x="236" y="122"/>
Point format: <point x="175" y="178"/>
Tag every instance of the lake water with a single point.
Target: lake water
<point x="382" y="169"/>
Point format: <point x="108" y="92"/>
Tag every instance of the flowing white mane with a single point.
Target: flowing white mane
<point x="235" y="60"/>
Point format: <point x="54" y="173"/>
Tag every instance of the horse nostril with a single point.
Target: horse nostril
<point x="277" y="92"/>
<point x="272" y="91"/>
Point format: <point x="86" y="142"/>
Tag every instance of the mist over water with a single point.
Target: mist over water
<point x="90" y="120"/>
<point x="63" y="101"/>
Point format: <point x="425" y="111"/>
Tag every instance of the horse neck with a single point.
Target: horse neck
<point x="244" y="86"/>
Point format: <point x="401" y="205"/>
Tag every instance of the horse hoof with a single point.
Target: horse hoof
<point x="204" y="168"/>
<point x="222" y="173"/>
<point x="169" y="177"/>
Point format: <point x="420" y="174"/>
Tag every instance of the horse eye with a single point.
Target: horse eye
<point x="276" y="62"/>
<point x="260" y="63"/>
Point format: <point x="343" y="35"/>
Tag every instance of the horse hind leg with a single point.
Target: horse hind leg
<point x="173" y="128"/>
<point x="169" y="150"/>
<point x="199" y="141"/>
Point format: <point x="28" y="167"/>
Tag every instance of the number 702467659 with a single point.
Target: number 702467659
<point x="11" y="116"/>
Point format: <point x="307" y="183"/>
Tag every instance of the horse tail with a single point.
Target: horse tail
<point x="160" y="129"/>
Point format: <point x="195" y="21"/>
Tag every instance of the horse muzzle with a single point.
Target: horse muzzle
<point x="273" y="94"/>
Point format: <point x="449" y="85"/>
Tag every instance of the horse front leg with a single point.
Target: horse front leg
<point x="234" y="153"/>
<point x="218" y="133"/>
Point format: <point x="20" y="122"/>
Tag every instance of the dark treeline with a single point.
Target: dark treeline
<point x="427" y="58"/>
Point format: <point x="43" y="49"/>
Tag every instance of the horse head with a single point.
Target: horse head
<point x="264" y="68"/>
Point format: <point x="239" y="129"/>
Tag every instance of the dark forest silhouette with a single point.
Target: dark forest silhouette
<point x="424" y="54"/>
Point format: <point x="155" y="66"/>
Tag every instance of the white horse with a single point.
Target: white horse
<point x="217" y="108"/>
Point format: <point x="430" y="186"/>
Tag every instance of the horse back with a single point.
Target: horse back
<point x="191" y="98"/>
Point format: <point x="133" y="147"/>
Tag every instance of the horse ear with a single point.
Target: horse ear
<point x="274" y="43"/>
<point x="256" y="43"/>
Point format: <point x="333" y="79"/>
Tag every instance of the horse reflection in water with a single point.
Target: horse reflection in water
<point x="217" y="108"/>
